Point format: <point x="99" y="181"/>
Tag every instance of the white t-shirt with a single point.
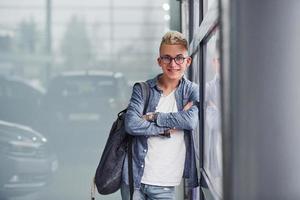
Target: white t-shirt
<point x="164" y="162"/>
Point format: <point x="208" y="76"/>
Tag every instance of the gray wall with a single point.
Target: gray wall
<point x="261" y="48"/>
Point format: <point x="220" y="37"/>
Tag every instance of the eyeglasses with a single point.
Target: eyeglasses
<point x="168" y="59"/>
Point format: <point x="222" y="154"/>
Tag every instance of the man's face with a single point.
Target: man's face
<point x="173" y="60"/>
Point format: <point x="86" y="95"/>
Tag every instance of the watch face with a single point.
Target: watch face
<point x="168" y="133"/>
<point x="150" y="116"/>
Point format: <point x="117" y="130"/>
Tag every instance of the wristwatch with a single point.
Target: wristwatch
<point x="152" y="117"/>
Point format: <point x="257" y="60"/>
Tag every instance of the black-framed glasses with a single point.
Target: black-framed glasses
<point x="168" y="59"/>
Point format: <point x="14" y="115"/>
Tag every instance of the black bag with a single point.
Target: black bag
<point x="108" y="176"/>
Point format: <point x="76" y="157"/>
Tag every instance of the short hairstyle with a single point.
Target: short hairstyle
<point x="174" y="38"/>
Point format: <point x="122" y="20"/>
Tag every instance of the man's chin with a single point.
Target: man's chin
<point x="174" y="76"/>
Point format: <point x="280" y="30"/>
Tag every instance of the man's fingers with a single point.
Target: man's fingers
<point x="188" y="105"/>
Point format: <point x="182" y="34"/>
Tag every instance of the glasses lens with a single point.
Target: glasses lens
<point x="179" y="59"/>
<point x="166" y="59"/>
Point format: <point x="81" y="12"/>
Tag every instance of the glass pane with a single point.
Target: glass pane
<point x="196" y="14"/>
<point x="207" y="4"/>
<point x="185" y="18"/>
<point x="212" y="115"/>
<point x="66" y="70"/>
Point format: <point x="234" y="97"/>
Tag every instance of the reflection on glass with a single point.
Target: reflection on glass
<point x="212" y="132"/>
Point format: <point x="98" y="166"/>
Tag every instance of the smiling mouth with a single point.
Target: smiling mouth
<point x="173" y="70"/>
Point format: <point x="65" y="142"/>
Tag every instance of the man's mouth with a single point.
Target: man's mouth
<point x="173" y="70"/>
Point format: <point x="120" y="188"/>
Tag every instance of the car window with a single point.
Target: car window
<point x="19" y="90"/>
<point x="84" y="86"/>
<point x="123" y="89"/>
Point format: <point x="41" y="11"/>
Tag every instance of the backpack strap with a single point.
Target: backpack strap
<point x="146" y="95"/>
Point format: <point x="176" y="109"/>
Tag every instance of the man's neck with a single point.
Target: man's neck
<point x="167" y="85"/>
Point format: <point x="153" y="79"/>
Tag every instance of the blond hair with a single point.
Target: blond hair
<point x="174" y="38"/>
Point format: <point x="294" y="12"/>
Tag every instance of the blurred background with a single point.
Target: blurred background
<point x="66" y="69"/>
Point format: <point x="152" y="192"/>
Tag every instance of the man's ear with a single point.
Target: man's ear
<point x="158" y="61"/>
<point x="189" y="61"/>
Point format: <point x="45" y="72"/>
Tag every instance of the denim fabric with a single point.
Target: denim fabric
<point x="149" y="192"/>
<point x="142" y="129"/>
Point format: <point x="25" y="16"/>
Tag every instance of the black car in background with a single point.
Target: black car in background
<point x="20" y="100"/>
<point x="80" y="103"/>
<point x="27" y="165"/>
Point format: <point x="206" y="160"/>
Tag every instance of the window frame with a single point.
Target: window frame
<point x="198" y="35"/>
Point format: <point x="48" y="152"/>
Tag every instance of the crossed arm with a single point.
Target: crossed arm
<point x="163" y="123"/>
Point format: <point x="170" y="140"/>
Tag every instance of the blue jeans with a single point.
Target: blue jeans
<point x="149" y="192"/>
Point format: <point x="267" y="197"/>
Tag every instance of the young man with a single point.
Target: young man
<point x="163" y="148"/>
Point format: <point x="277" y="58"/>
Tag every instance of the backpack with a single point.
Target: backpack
<point x="108" y="177"/>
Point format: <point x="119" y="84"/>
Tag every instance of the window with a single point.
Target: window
<point x="206" y="70"/>
<point x="212" y="137"/>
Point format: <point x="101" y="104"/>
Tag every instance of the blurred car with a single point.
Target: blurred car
<point x="19" y="100"/>
<point x="83" y="102"/>
<point x="26" y="163"/>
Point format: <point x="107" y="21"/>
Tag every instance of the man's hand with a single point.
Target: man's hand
<point x="149" y="117"/>
<point x="188" y="106"/>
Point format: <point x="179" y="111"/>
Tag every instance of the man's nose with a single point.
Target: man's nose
<point x="173" y="63"/>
